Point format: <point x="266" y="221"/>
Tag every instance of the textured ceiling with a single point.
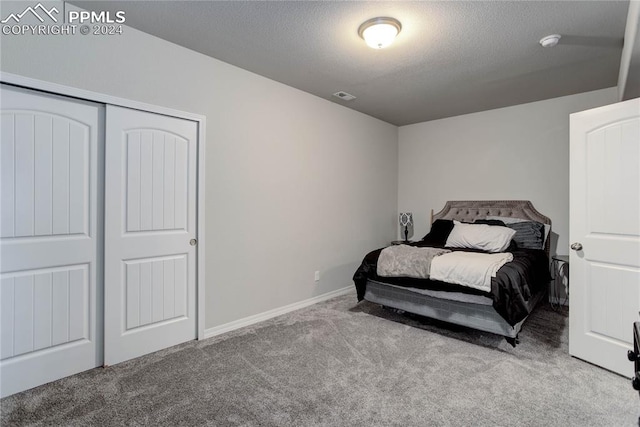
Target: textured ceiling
<point x="451" y="58"/>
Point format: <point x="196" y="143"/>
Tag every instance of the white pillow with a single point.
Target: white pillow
<point x="511" y="220"/>
<point x="490" y="238"/>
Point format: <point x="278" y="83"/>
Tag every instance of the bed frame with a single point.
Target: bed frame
<point x="478" y="316"/>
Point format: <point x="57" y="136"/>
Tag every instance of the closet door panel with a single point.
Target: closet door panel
<point x="49" y="238"/>
<point x="150" y="230"/>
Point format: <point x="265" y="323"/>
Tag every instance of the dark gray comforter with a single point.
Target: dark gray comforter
<point x="512" y="287"/>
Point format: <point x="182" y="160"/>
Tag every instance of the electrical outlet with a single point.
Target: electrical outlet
<point x="317" y="276"/>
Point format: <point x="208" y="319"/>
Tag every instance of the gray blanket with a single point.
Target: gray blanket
<point x="407" y="261"/>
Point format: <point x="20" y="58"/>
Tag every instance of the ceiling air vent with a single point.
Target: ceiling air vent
<point x="344" y="96"/>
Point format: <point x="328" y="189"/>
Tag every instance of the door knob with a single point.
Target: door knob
<point x="193" y="242"/>
<point x="576" y="246"/>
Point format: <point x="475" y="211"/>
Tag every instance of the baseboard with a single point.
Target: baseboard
<point x="261" y="317"/>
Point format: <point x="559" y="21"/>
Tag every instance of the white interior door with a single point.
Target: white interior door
<point x="605" y="231"/>
<point x="150" y="231"/>
<point x="50" y="232"/>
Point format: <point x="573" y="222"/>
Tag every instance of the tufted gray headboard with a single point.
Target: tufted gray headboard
<point x="470" y="210"/>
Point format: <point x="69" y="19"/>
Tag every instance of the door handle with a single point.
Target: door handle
<point x="576" y="246"/>
<point x="193" y="242"/>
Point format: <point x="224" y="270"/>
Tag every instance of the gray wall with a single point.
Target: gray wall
<point x="294" y="183"/>
<point x="519" y="152"/>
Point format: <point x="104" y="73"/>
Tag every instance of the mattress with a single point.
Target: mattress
<point x="511" y="288"/>
<point x="451" y="296"/>
<point x="477" y="316"/>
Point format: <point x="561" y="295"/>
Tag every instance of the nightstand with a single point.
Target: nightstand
<point x="559" y="281"/>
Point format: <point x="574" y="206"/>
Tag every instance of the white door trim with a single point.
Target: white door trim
<point x="87" y="95"/>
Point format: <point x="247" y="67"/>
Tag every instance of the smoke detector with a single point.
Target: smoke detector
<point x="344" y="96"/>
<point x="550" y="41"/>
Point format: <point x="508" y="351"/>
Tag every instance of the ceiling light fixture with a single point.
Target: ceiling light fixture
<point x="550" y="41"/>
<point x="379" y="32"/>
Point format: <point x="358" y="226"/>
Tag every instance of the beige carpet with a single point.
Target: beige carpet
<point x="339" y="363"/>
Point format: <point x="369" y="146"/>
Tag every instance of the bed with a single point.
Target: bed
<point x="502" y="306"/>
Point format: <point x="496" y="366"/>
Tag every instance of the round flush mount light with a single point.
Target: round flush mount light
<point x="550" y="41"/>
<point x="379" y="32"/>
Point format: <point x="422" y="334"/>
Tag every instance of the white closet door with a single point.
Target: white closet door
<point x="605" y="234"/>
<point x="150" y="231"/>
<point x="49" y="236"/>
